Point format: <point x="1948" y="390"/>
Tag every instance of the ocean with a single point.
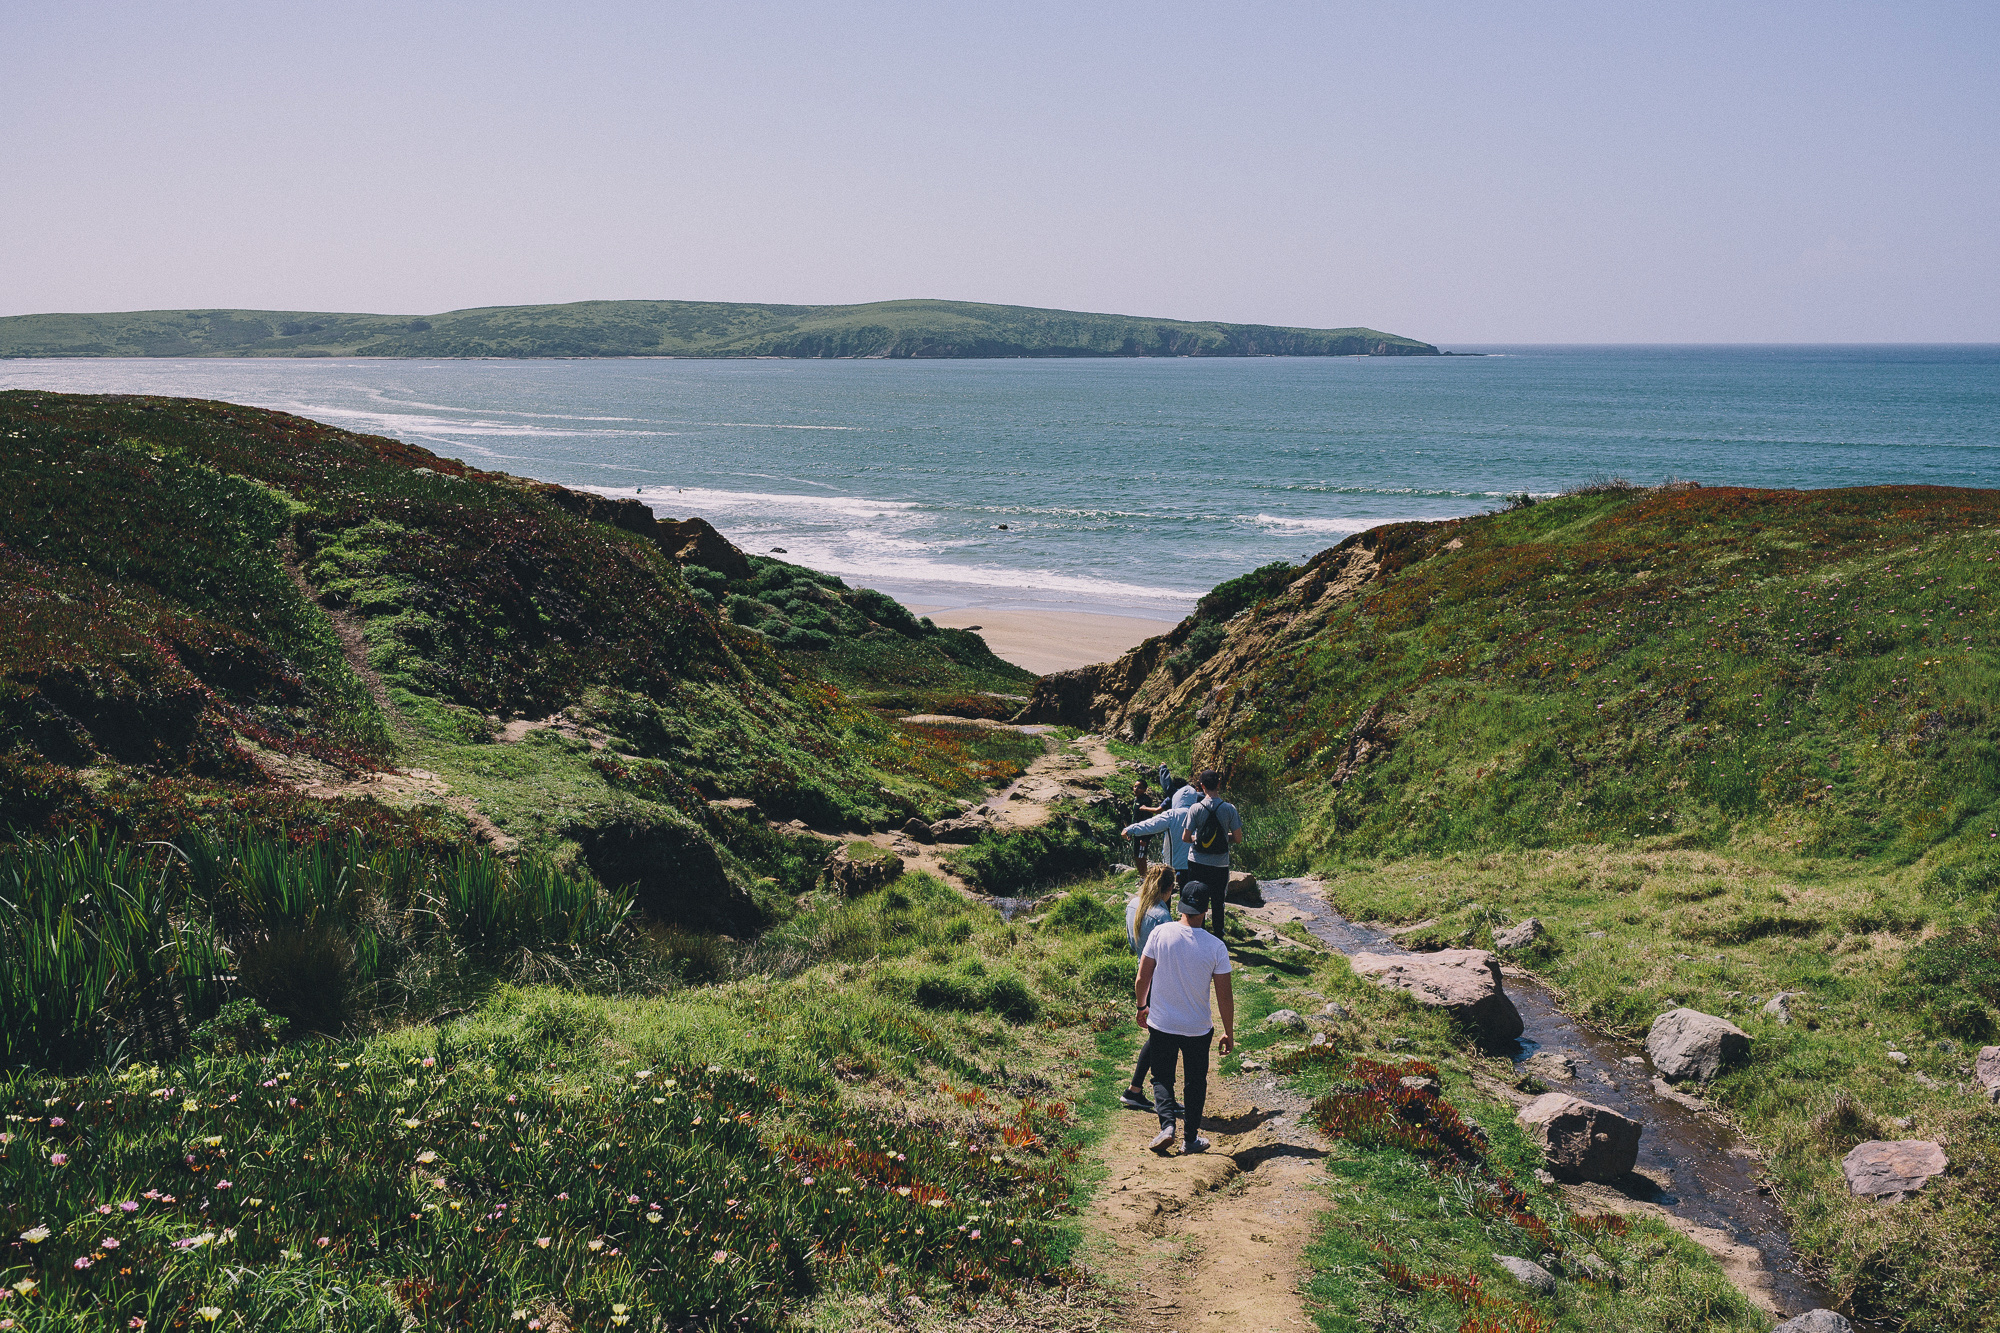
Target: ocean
<point x="1128" y="487"/>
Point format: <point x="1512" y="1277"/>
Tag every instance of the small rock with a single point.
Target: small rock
<point x="1335" y="1009"/>
<point x="1987" y="1069"/>
<point x="1664" y="1089"/>
<point x="1120" y="868"/>
<point x="1948" y="1047"/>
<point x="962" y="830"/>
<point x="1528" y="1273"/>
<point x="1816" y="1321"/>
<point x="1519" y="937"/>
<point x="1896" y="1057"/>
<point x="1593" y="934"/>
<point x="1542" y="1175"/>
<point x="1639" y="1060"/>
<point x="1557" y="1066"/>
<point x="1890" y="1170"/>
<point x="1902" y="1122"/>
<point x="1320" y="1039"/>
<point x="1286" y="1019"/>
<point x="1582" y="1140"/>
<point x="1252" y="1066"/>
<point x="1421" y="1083"/>
<point x="1686" y="1043"/>
<point x="1399" y="1043"/>
<point x="1925" y="1079"/>
<point x="1779" y="1005"/>
<point x="850" y="877"/>
<point x="916" y="830"/>
<point x="1596" y="1269"/>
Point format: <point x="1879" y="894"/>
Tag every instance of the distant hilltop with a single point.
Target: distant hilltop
<point x="883" y="329"/>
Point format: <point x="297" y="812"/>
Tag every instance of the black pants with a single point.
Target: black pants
<point x="1145" y="1064"/>
<point x="1216" y="880"/>
<point x="1167" y="1050"/>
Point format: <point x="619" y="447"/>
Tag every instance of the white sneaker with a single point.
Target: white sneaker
<point x="1163" y="1141"/>
<point x="1200" y="1144"/>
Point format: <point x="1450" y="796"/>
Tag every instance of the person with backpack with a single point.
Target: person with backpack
<point x="1175" y="970"/>
<point x="1211" y="828"/>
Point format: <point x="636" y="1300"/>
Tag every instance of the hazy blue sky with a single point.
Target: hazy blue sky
<point x="1494" y="172"/>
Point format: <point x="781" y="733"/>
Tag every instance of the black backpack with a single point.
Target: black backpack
<point x="1212" y="837"/>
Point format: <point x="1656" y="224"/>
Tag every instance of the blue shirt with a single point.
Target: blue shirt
<point x="1137" y="931"/>
<point x="1170" y="822"/>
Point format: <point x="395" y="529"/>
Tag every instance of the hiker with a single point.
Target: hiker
<point x="1150" y="907"/>
<point x="1141" y="810"/>
<point x="1212" y="826"/>
<point x="1169" y="819"/>
<point x="1175" y="969"/>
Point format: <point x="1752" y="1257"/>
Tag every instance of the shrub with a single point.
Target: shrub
<point x="241" y="1027"/>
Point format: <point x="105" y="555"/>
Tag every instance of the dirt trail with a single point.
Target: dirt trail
<point x="1215" y="1241"/>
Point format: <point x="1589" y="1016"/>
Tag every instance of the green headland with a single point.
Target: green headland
<point x="434" y="898"/>
<point x="891" y="329"/>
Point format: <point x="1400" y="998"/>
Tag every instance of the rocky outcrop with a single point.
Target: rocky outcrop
<point x="963" y="830"/>
<point x="1688" y="1044"/>
<point x="1463" y="982"/>
<point x="1890" y="1170"/>
<point x="850" y="875"/>
<point x="1518" y="937"/>
<point x="1582" y="1140"/>
<point x="916" y="830"/>
<point x="691" y="541"/>
<point x="1243" y="889"/>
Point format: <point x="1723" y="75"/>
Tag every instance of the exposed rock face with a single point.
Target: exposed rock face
<point x="1889" y="1170"/>
<point x="1987" y="1070"/>
<point x="1816" y="1321"/>
<point x="1686" y="1043"/>
<point x="1528" y="1273"/>
<point x="1583" y="1141"/>
<point x="1243" y="889"/>
<point x="848" y="876"/>
<point x="691" y="541"/>
<point x="1519" y="937"/>
<point x="1466" y="982"/>
<point x="1130" y="697"/>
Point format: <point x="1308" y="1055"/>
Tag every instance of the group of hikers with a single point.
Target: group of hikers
<point x="1180" y="957"/>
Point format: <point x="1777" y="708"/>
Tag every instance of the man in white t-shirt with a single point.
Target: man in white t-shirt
<point x="1175" y="971"/>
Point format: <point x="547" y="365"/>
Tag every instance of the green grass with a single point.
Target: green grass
<point x="775" y="1119"/>
<point x="678" y="328"/>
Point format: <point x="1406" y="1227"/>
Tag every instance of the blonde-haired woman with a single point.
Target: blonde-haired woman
<point x="1144" y="910"/>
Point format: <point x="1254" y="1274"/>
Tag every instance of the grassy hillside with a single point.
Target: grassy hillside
<point x="219" y="615"/>
<point x="679" y="328"/>
<point x="1725" y="744"/>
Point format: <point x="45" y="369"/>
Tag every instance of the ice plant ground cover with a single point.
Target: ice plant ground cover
<point x="717" y="1157"/>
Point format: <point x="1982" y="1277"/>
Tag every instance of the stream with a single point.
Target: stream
<point x="1693" y="1166"/>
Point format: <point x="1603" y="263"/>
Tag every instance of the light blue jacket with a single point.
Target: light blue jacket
<point x="1170" y="821"/>
<point x="1137" y="930"/>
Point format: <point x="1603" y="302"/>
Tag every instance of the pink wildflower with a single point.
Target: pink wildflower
<point x="57" y="1122"/>
<point x="223" y="1185"/>
<point x="82" y="1262"/>
<point x="58" y="1159"/>
<point x="324" y="1241"/>
<point x="108" y="1243"/>
<point x="129" y="1206"/>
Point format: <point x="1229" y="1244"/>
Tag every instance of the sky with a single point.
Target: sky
<point x="1460" y="173"/>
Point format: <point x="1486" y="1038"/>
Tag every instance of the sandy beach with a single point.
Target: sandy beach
<point x="1045" y="641"/>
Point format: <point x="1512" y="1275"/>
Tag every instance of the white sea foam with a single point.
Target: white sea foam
<point x="1343" y="526"/>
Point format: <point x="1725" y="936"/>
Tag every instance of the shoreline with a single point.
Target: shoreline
<point x="1049" y="641"/>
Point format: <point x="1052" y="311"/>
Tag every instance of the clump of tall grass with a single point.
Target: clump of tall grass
<point x="110" y="947"/>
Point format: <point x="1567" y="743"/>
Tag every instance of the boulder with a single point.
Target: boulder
<point x="1286" y="1019"/>
<point x="916" y="830"/>
<point x="1528" y="1273"/>
<point x="1686" y="1043"/>
<point x="1519" y="937"/>
<point x="1335" y="1009"/>
<point x="1421" y="1083"/>
<point x="850" y="875"/>
<point x="1243" y="889"/>
<point x="1582" y="1140"/>
<point x="1464" y="982"/>
<point x="1889" y="1170"/>
<point x="1816" y="1321"/>
<point x="965" y="830"/>
<point x="1987" y="1070"/>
